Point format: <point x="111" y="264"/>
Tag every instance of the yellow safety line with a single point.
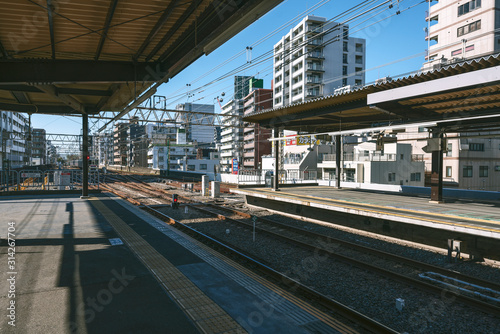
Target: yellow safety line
<point x="332" y="322"/>
<point x="207" y="315"/>
<point x="319" y="201"/>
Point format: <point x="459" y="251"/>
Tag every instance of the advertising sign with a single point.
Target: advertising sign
<point x="235" y="166"/>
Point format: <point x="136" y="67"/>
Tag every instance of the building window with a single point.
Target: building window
<point x="346" y="48"/>
<point x="467" y="171"/>
<point x="359" y="47"/>
<point x="203" y="166"/>
<point x="415" y="177"/>
<point x="344" y="82"/>
<point x="344" y="58"/>
<point x="449" y="150"/>
<point x="476" y="147"/>
<point x="483" y="171"/>
<point x="468" y="28"/>
<point x="190" y="167"/>
<point x="392" y="177"/>
<point x="358" y="82"/>
<point x="448" y="171"/>
<point x="468" y="7"/>
<point x="344" y="70"/>
<point x="359" y="70"/>
<point x="359" y="59"/>
<point x="346" y="32"/>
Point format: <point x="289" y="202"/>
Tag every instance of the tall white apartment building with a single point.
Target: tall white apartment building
<point x="314" y="59"/>
<point x="13" y="129"/>
<point x="103" y="147"/>
<point x="461" y="29"/>
<point x="231" y="135"/>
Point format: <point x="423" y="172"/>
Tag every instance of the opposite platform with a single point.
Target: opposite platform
<point x="408" y="217"/>
<point x="70" y="279"/>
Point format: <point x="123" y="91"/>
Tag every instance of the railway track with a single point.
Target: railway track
<point x="309" y="240"/>
<point x="294" y="286"/>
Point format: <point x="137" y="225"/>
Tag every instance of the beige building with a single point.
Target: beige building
<point x="469" y="162"/>
<point x="461" y="29"/>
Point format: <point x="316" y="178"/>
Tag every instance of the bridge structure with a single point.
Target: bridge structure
<point x="463" y="97"/>
<point x="103" y="59"/>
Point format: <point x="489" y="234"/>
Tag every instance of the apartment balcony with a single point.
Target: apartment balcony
<point x="315" y="68"/>
<point x="249" y="146"/>
<point x="315" y="55"/>
<point x="249" y="137"/>
<point x="228" y="147"/>
<point x="314" y="81"/>
<point x="314" y="29"/>
<point x="313" y="93"/>
<point x="314" y="41"/>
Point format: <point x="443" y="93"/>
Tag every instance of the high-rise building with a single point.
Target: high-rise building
<point x="137" y="145"/>
<point x="461" y="29"/>
<point x="256" y="143"/>
<point x="241" y="86"/>
<point x="199" y="124"/>
<point x="38" y="147"/>
<point x="103" y="148"/>
<point x="314" y="59"/>
<point x="232" y="134"/>
<point x="13" y="129"/>
<point x="120" y="144"/>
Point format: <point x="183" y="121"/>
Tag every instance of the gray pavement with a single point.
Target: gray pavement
<point x="65" y="277"/>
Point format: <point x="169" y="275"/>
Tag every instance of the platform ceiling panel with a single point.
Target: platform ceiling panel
<point x="88" y="56"/>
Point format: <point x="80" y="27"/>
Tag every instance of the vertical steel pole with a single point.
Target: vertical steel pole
<point x="338" y="158"/>
<point x="277" y="159"/>
<point x="85" y="153"/>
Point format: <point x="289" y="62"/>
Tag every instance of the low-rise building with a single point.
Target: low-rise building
<point x="395" y="164"/>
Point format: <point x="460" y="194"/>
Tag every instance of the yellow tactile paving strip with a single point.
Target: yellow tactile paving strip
<point x="206" y="314"/>
<point x="345" y="204"/>
<point x="320" y="315"/>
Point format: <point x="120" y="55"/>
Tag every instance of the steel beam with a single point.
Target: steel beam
<point x="51" y="28"/>
<point x="3" y="52"/>
<point x="76" y="71"/>
<point x="104" y="35"/>
<point x="158" y="26"/>
<point x="38" y="109"/>
<point x="85" y="153"/>
<point x="66" y="99"/>
<point x="173" y="30"/>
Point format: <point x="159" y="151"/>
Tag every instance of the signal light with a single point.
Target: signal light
<point x="175" y="201"/>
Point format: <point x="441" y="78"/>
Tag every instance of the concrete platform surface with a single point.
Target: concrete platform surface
<point x="102" y="265"/>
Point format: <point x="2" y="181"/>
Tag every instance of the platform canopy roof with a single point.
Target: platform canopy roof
<point x="76" y="57"/>
<point x="457" y="91"/>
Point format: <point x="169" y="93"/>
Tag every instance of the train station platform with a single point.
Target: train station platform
<point x="103" y="265"/>
<point x="413" y="218"/>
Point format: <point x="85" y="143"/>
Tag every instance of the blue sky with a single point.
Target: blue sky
<point x="390" y="39"/>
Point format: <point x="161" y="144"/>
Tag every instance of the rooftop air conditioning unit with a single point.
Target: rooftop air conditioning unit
<point x="383" y="80"/>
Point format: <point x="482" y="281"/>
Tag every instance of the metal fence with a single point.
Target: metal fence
<point x="59" y="179"/>
<point x="291" y="176"/>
